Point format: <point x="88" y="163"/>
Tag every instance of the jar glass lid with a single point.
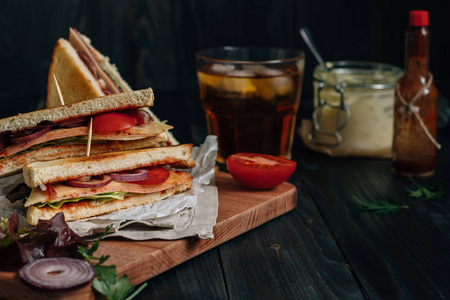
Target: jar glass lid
<point x="358" y="74"/>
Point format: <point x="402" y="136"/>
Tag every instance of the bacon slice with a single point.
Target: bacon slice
<point x="67" y="192"/>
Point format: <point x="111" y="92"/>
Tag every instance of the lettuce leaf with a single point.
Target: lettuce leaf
<point x="49" y="238"/>
<point x="96" y="199"/>
<point x="113" y="78"/>
<point x="6" y="237"/>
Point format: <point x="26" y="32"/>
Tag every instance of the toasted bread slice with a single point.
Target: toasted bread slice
<point x="85" y="209"/>
<point x="37" y="173"/>
<point x="135" y="99"/>
<point x="75" y="80"/>
<point x="14" y="164"/>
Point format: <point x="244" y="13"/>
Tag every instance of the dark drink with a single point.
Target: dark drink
<point x="251" y="107"/>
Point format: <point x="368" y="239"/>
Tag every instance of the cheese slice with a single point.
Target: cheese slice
<point x="67" y="192"/>
<point x="134" y="133"/>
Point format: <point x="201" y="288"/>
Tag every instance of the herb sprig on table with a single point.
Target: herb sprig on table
<point x="430" y="192"/>
<point x="107" y="281"/>
<point x="381" y="207"/>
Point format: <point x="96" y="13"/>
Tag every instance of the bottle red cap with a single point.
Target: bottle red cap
<point x="418" y="18"/>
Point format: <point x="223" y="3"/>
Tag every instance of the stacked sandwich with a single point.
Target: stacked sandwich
<point x="82" y="187"/>
<point x="95" y="156"/>
<point x="119" y="123"/>
<point x="82" y="73"/>
<point x="129" y="162"/>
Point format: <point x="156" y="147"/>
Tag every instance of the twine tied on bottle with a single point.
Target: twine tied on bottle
<point x="409" y="107"/>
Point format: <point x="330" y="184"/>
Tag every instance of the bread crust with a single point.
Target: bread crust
<point x="37" y="173"/>
<point x="83" y="209"/>
<point x="14" y="164"/>
<point x="135" y="99"/>
<point x="74" y="79"/>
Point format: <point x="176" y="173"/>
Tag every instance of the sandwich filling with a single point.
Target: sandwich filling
<point x="105" y="77"/>
<point x="117" y="126"/>
<point x="55" y="195"/>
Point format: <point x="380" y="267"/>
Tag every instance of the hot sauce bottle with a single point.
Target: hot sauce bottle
<point x="415" y="105"/>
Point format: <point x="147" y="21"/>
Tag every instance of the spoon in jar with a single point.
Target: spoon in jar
<point x="307" y="37"/>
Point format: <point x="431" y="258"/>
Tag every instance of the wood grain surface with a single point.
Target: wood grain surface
<point x="394" y="256"/>
<point x="240" y="210"/>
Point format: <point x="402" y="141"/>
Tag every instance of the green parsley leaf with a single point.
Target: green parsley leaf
<point x="123" y="287"/>
<point x="88" y="253"/>
<point x="136" y="292"/>
<point x="430" y="191"/>
<point x="107" y="281"/>
<point x="380" y="207"/>
<point x="106" y="273"/>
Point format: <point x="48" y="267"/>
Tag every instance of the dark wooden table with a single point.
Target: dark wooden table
<point x="328" y="247"/>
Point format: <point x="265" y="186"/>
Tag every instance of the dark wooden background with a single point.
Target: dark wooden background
<point x="153" y="42"/>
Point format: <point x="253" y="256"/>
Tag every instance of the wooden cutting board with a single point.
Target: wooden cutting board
<point x="240" y="210"/>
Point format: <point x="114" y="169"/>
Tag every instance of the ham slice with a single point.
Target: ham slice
<point x="133" y="133"/>
<point x="80" y="45"/>
<point x="68" y="192"/>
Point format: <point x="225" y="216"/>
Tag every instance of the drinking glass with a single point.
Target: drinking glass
<point x="251" y="97"/>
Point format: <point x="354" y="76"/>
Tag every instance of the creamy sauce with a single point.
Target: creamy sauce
<point x="370" y="123"/>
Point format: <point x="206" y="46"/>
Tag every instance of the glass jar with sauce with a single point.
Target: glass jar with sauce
<point x="353" y="107"/>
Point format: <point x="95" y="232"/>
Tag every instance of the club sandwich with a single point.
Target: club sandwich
<point x="88" y="186"/>
<point x="119" y="122"/>
<point x="82" y="73"/>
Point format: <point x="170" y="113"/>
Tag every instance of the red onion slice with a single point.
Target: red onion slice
<point x="57" y="273"/>
<point x="143" y="117"/>
<point x="27" y="135"/>
<point x="84" y="178"/>
<point x="106" y="91"/>
<point x="130" y="176"/>
<point x="74" y="122"/>
<point x="93" y="183"/>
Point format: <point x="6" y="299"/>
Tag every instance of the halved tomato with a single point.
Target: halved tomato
<point x="158" y="175"/>
<point x="260" y="171"/>
<point x="112" y="121"/>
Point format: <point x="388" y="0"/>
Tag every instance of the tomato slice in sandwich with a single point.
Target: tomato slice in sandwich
<point x="260" y="171"/>
<point x="112" y="121"/>
<point x="158" y="175"/>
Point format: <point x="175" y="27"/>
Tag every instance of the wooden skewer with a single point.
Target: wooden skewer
<point x="88" y="150"/>
<point x="59" y="90"/>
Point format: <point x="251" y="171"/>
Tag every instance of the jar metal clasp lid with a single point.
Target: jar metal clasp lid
<point x="329" y="138"/>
